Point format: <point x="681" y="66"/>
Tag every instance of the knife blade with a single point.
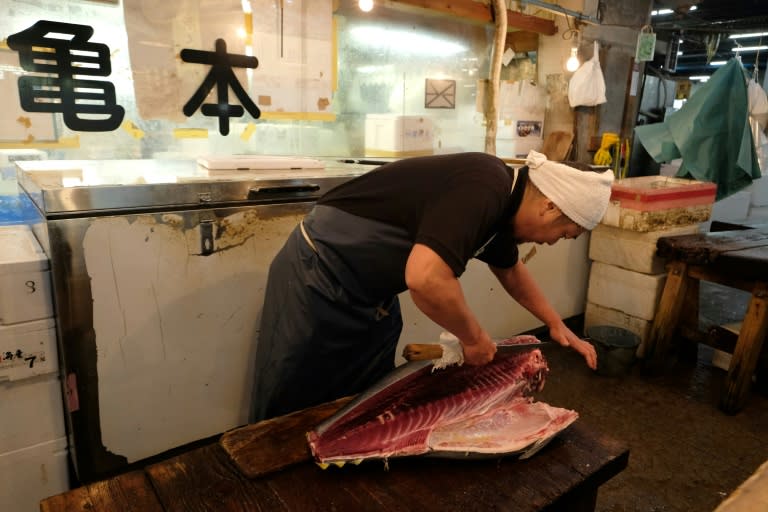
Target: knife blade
<point x="425" y="351"/>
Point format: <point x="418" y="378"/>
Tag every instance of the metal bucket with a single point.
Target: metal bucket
<point x="616" y="349"/>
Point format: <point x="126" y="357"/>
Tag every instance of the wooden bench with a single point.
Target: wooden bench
<point x="735" y="258"/>
<point x="267" y="467"/>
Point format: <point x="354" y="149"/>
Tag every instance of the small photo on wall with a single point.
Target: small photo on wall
<point x="529" y="129"/>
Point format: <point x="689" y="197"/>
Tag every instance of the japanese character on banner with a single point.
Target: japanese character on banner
<point x="60" y="54"/>
<point x="221" y="76"/>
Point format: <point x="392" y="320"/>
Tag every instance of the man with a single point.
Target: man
<point x="331" y="318"/>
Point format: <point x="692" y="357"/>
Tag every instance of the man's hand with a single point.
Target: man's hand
<point x="565" y="337"/>
<point x="480" y="351"/>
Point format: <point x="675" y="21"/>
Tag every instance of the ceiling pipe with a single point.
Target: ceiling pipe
<point x="561" y="10"/>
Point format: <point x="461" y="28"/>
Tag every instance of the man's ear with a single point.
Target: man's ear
<point x="548" y="207"/>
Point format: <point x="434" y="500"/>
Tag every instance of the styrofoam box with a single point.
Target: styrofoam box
<point x="32" y="412"/>
<point x="32" y="474"/>
<point x="633" y="293"/>
<point x="28" y="349"/>
<point x="632" y="250"/>
<point x="25" y="281"/>
<point x="650" y="203"/>
<point x="759" y="191"/>
<point x="758" y="214"/>
<point x="395" y="135"/>
<point x="732" y="208"/>
<point x="599" y="315"/>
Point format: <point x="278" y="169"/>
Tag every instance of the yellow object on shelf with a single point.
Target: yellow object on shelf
<point x="603" y="155"/>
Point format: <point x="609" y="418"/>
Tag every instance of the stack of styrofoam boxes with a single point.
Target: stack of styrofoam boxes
<point x="758" y="204"/>
<point x="627" y="277"/>
<point x="33" y="443"/>
<point x="392" y="135"/>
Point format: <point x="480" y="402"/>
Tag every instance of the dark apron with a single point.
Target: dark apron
<point x="324" y="335"/>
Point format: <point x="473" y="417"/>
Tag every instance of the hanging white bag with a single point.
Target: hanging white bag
<point x="758" y="102"/>
<point x="587" y="85"/>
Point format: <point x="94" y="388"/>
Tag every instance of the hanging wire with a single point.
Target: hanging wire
<point x="572" y="32"/>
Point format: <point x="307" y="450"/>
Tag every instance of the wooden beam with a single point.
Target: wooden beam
<point x="471" y="10"/>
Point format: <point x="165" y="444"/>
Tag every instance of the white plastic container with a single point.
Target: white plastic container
<point x="632" y="250"/>
<point x="392" y="135"/>
<point x="32" y="474"/>
<point x="633" y="293"/>
<point x="25" y="281"/>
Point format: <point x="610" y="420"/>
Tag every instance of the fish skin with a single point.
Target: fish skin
<point x="396" y="416"/>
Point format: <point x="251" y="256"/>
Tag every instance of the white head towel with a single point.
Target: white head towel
<point x="582" y="196"/>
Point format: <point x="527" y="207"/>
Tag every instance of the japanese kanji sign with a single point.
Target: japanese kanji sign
<point x="222" y="77"/>
<point x="59" y="54"/>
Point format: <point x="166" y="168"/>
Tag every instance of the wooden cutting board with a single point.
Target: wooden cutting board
<point x="557" y="145"/>
<point x="274" y="444"/>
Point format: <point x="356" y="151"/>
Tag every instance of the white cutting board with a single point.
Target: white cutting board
<point x="253" y="162"/>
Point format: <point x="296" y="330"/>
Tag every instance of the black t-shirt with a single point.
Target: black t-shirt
<point x="455" y="204"/>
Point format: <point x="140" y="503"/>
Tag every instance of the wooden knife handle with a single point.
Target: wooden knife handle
<point x="422" y="351"/>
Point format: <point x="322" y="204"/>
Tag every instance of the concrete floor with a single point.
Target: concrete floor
<point x="685" y="454"/>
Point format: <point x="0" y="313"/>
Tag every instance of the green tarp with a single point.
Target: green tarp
<point x="710" y="133"/>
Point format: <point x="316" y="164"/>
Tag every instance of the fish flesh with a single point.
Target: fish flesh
<point x="456" y="411"/>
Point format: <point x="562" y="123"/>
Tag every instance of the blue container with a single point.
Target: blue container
<point x="17" y="209"/>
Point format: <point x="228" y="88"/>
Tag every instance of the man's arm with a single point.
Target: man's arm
<point x="437" y="293"/>
<point x="521" y="286"/>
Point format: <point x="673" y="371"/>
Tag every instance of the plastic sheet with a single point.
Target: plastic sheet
<point x="711" y="133"/>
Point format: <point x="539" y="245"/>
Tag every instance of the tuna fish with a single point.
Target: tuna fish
<point x="456" y="411"/>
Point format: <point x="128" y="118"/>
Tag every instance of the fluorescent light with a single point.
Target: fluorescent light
<point x="693" y="8"/>
<point x="661" y="12"/>
<point x="718" y="63"/>
<point x="749" y="48"/>
<point x="753" y="34"/>
<point x="700" y="78"/>
<point x="405" y="42"/>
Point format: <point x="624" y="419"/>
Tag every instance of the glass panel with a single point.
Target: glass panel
<point x="414" y="77"/>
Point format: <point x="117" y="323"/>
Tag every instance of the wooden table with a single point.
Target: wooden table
<point x="738" y="259"/>
<point x="223" y="476"/>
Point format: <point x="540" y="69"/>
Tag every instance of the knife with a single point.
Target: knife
<point x="425" y="351"/>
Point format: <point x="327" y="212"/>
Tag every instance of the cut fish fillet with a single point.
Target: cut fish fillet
<point x="460" y="409"/>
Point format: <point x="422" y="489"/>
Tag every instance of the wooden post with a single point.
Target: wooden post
<point x="667" y="315"/>
<point x="744" y="361"/>
<point x="499" y="40"/>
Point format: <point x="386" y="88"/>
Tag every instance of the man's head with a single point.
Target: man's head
<point x="564" y="200"/>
